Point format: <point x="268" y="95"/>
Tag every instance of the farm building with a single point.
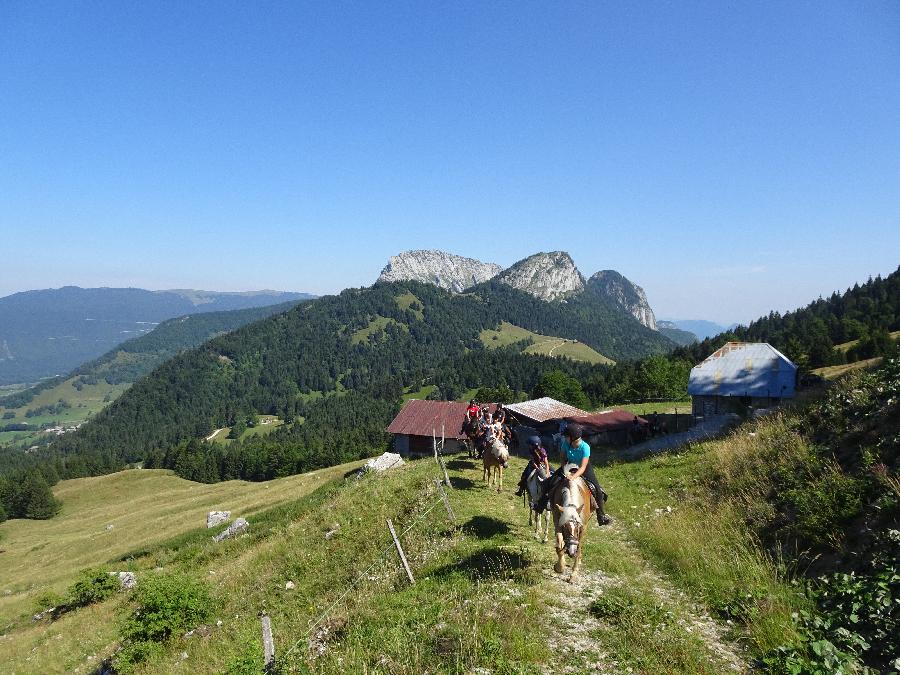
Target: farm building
<point x="741" y="374"/>
<point x="416" y="423"/>
<point x="542" y="416"/>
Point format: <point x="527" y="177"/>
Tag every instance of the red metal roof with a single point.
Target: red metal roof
<point x="544" y="409"/>
<point x="420" y="418"/>
<point x="607" y="419"/>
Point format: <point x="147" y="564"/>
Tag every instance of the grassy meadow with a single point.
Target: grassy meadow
<point x="90" y="400"/>
<point x="144" y="507"/>
<point x="654" y="596"/>
<point x="508" y="333"/>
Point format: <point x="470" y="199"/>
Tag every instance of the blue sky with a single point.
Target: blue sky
<point x="730" y="158"/>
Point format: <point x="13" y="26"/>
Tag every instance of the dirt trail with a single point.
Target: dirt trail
<point x="570" y="618"/>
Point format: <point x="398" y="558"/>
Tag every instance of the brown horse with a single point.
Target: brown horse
<point x="571" y="513"/>
<point x="495" y="457"/>
<point x="470" y="429"/>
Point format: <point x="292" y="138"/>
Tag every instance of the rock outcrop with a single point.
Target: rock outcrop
<point x="388" y="460"/>
<point x="625" y="294"/>
<point x="233" y="530"/>
<point x="547" y="276"/>
<point x="214" y="518"/>
<point x="445" y="270"/>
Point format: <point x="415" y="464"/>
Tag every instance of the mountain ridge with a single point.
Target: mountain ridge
<point x="550" y="276"/>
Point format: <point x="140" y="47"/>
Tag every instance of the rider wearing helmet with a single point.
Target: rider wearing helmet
<point x="537" y="457"/>
<point x="574" y="450"/>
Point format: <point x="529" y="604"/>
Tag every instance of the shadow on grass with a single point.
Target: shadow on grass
<point x="462" y="483"/>
<point x="460" y="464"/>
<point x="485" y="527"/>
<point x="491" y="563"/>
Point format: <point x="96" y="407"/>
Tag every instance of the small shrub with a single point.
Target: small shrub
<point x="47" y="600"/>
<point x="94" y="585"/>
<point x="166" y="605"/>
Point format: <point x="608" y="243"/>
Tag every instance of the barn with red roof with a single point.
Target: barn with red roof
<point x="419" y="422"/>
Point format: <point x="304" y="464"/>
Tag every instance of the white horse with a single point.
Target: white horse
<point x="571" y="513"/>
<point x="495" y="457"/>
<point x="535" y="485"/>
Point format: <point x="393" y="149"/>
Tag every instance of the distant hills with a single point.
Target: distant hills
<point x="676" y="334"/>
<point x="44" y="333"/>
<point x="700" y="328"/>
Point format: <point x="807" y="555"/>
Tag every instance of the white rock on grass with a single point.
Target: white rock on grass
<point x="388" y="460"/>
<point x="214" y="518"/>
<point x="127" y="580"/>
<point x="233" y="530"/>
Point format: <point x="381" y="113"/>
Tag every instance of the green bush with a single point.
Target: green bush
<point x="94" y="585"/>
<point x="823" y="506"/>
<point x="166" y="605"/>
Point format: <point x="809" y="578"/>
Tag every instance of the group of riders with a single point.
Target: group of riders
<point x="482" y="427"/>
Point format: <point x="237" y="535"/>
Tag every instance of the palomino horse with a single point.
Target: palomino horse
<point x="495" y="457"/>
<point x="534" y="483"/>
<point x="571" y="514"/>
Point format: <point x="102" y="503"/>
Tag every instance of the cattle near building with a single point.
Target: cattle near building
<point x="419" y="421"/>
<point x="741" y="374"/>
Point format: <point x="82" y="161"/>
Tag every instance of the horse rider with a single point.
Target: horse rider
<point x="574" y="450"/>
<point x="472" y="411"/>
<point x="537" y="457"/>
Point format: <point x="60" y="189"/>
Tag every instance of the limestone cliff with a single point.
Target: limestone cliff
<point x="624" y="293"/>
<point x="548" y="276"/>
<point x="445" y="270"/>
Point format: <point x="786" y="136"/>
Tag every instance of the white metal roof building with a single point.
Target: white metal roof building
<point x="545" y="409"/>
<point x="746" y="370"/>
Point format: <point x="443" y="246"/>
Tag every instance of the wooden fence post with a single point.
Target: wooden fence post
<point x="438" y="456"/>
<point x="268" y="643"/>
<point x="450" y="513"/>
<point x="400" y="551"/>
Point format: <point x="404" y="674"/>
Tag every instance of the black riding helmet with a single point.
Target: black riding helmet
<point x="573" y="432"/>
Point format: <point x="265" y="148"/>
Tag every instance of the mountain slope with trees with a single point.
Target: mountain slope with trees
<point x="281" y="365"/>
<point x="44" y="333"/>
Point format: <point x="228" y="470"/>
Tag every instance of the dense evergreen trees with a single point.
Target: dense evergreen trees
<point x="28" y="495"/>
<point x="808" y="336"/>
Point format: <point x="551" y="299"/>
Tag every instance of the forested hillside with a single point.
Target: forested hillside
<point x="808" y="336"/>
<point x="138" y="356"/>
<point x="334" y="371"/>
<point x="45" y="333"/>
<point x="374" y="342"/>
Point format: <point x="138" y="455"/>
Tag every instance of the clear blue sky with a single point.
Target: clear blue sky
<point x="729" y="157"/>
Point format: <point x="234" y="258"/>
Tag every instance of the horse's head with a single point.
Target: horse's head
<point x="498" y="448"/>
<point x="570" y="528"/>
<point x="569" y="504"/>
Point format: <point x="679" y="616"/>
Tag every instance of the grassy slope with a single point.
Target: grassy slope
<point x="845" y="346"/>
<point x="484" y="597"/>
<point x="834" y="372"/>
<point x="145" y="507"/>
<point x="543" y="344"/>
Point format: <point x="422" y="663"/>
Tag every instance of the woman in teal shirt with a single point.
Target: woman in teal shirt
<point x="575" y="450"/>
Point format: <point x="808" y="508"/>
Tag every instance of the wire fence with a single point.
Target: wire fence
<point x="442" y="499"/>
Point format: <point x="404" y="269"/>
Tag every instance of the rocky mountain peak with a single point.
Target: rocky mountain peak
<point x="445" y="270"/>
<point x="547" y="276"/>
<point x="629" y="296"/>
